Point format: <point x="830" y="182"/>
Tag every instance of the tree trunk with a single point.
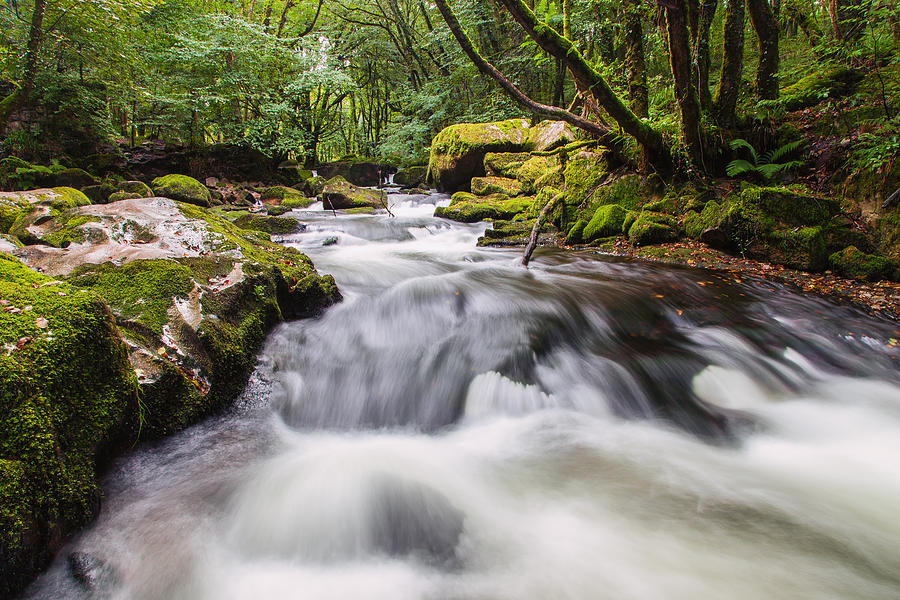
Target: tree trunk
<point x="732" y="64"/>
<point x="795" y="15"/>
<point x="19" y="97"/>
<point x="701" y="52"/>
<point x="678" y="33"/>
<point x="766" y="28"/>
<point x="848" y="19"/>
<point x="634" y="60"/>
<point x="657" y="151"/>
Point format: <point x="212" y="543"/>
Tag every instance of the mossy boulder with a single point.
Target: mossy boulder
<point x="607" y="221"/>
<point x="485" y="186"/>
<point x="288" y="197"/>
<point x="458" y="151"/>
<point x="781" y="225"/>
<point x="468" y="208"/>
<point x="268" y="224"/>
<point x="652" y="228"/>
<point x="813" y="89"/>
<point x="576" y="233"/>
<point x="856" y="264"/>
<point x="514" y="233"/>
<point x="504" y="164"/>
<point x="138" y="188"/>
<point x="182" y="188"/>
<point x="313" y="187"/>
<point x="194" y="296"/>
<point x="68" y="402"/>
<point x="537" y="172"/>
<point x="27" y="215"/>
<point x="340" y="194"/>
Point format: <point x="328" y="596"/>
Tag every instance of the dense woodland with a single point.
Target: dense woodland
<point x="670" y="83"/>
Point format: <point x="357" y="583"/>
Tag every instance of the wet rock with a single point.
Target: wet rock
<point x="314" y="186"/>
<point x="413" y="520"/>
<point x="340" y="194"/>
<point x="467" y="208"/>
<point x="330" y="241"/>
<point x="88" y="570"/>
<point x="652" y="228"/>
<point x="716" y="237"/>
<point x="269" y="224"/>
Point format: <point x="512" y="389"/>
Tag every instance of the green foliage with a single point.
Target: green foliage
<point x="769" y="164"/>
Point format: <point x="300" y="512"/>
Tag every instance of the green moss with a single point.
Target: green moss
<point x="361" y="210"/>
<point x="139" y="188"/>
<point x="57" y="417"/>
<point x="275" y="225"/>
<point x="140" y="291"/>
<point x="790" y="205"/>
<point x="182" y="188"/>
<point x="504" y="164"/>
<point x="607" y="220"/>
<point x="852" y="262"/>
<point x="285" y="196"/>
<point x="535" y="169"/>
<point x="65" y="198"/>
<point x="652" y="228"/>
<point x="583" y="176"/>
<point x="510" y="233"/>
<point x="67" y="230"/>
<point x="809" y="91"/>
<point x="575" y="235"/>
<point x="485" y="186"/>
<point x="797" y="247"/>
<point x="117" y="196"/>
<point x="498" y="206"/>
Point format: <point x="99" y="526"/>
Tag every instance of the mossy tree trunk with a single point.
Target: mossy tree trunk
<point x="732" y="64"/>
<point x="677" y="23"/>
<point x="766" y="27"/>
<point x="707" y="12"/>
<point x="654" y="146"/>
<point x="634" y="59"/>
<point x="797" y="17"/>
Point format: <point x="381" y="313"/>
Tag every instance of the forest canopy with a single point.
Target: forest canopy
<point x="671" y="83"/>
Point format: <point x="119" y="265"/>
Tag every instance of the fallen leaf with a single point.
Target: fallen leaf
<point x="41" y="322"/>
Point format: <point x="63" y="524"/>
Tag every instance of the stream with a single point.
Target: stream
<point x="463" y="428"/>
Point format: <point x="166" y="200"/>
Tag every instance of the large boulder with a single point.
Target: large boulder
<point x="411" y="177"/>
<point x="780" y="225"/>
<point x="182" y="188"/>
<point x="458" y="152"/>
<point x="68" y="401"/>
<point x="339" y="193"/>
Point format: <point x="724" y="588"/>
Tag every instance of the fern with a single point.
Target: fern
<point x="769" y="165"/>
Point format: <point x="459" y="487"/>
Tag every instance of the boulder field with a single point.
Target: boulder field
<point x="121" y="322"/>
<point x="507" y="172"/>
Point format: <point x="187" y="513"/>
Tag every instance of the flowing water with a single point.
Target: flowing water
<point x="462" y="428"/>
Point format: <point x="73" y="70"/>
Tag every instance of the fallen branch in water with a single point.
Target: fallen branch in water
<point x="532" y="241"/>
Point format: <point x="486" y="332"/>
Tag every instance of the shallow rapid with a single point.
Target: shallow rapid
<point x="463" y="428"/>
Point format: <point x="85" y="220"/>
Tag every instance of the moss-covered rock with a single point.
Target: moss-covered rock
<point x="314" y="186"/>
<point x="537" y="172"/>
<point x="68" y="400"/>
<point x="467" y="208"/>
<point x="73" y="178"/>
<point x="781" y="225"/>
<point x="340" y="193"/>
<point x="358" y="171"/>
<point x="856" y="264"/>
<point x="182" y="188"/>
<point x="116" y="196"/>
<point x="138" y="188"/>
<point x="458" y="151"/>
<point x="485" y="186"/>
<point x="576" y="233"/>
<point x="28" y="214"/>
<point x="652" y="228"/>
<point x="514" y="233"/>
<point x="268" y="224"/>
<point x="607" y="221"/>
<point x="504" y="164"/>
<point x="813" y="89"/>
<point x="280" y="195"/>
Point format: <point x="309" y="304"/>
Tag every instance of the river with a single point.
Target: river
<point x="463" y="428"/>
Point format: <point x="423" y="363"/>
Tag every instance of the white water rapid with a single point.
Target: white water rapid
<point x="460" y="428"/>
